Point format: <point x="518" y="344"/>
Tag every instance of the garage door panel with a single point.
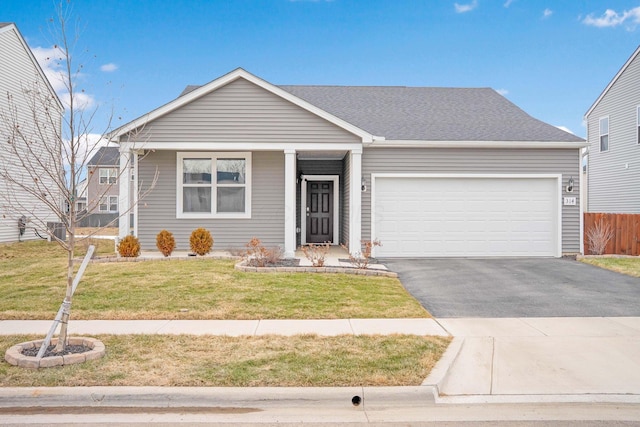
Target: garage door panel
<point x="466" y="216"/>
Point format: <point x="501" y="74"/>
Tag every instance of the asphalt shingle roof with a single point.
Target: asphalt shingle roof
<point x="106" y="156"/>
<point x="429" y="113"/>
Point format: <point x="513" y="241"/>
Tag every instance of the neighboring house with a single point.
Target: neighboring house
<point x="22" y="81"/>
<point x="427" y="171"/>
<point x="81" y="197"/>
<point x="613" y="133"/>
<point x="102" y="189"/>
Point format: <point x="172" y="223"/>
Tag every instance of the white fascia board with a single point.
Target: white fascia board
<point x="238" y="146"/>
<point x="612" y="82"/>
<point x="12" y="27"/>
<point x="228" y="78"/>
<point x="475" y="144"/>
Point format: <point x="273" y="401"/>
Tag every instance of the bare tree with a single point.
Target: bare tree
<point x="48" y="149"/>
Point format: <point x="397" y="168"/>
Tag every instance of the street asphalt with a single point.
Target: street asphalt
<point x="517" y="287"/>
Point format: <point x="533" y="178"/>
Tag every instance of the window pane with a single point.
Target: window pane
<point x="604" y="126"/>
<point x="196" y="199"/>
<point x="230" y="199"/>
<point x="196" y="171"/>
<point x="230" y="171"/>
<point x="103" y="204"/>
<point x="604" y="143"/>
<point x="113" y="204"/>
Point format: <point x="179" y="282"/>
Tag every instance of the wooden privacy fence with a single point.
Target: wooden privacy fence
<point x="626" y="232"/>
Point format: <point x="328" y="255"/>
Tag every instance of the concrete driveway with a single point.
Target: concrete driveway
<point x="518" y="287"/>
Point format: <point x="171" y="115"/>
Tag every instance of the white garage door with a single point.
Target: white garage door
<point x="466" y="216"/>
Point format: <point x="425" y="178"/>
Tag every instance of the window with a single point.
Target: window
<point x="109" y="204"/>
<point x="604" y="134"/>
<point x="214" y="185"/>
<point x="108" y="175"/>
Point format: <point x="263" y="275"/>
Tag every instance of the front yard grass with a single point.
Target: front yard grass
<point x="303" y="360"/>
<point x="32" y="284"/>
<point x="628" y="266"/>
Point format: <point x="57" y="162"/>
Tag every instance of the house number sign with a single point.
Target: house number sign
<point x="569" y="201"/>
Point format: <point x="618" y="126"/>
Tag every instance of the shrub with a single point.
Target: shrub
<point x="165" y="242"/>
<point x="258" y="256"/>
<point x="201" y="241"/>
<point x="361" y="259"/>
<point x="598" y="237"/>
<point x="129" y="247"/>
<point x="316" y="253"/>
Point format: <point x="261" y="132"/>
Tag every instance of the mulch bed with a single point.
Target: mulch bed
<point x="70" y="349"/>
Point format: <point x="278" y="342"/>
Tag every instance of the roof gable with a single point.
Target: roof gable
<point x="6" y="27"/>
<point x="189" y="96"/>
<point x="613" y="81"/>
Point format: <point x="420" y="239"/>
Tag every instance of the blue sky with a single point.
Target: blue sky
<point x="551" y="58"/>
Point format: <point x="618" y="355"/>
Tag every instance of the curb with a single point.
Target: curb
<point x="439" y="373"/>
<point x="360" y="398"/>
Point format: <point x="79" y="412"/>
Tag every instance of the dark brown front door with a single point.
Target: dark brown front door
<point x="319" y="211"/>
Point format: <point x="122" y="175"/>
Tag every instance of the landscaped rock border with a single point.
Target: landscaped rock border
<point x="344" y="270"/>
<point x="15" y="357"/>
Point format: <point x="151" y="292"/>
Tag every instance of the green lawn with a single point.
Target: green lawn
<point x="32" y="282"/>
<point x="303" y="360"/>
<point x="628" y="266"/>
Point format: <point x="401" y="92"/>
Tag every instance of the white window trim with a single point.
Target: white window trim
<point x="336" y="205"/>
<point x="108" y="204"/>
<point x="638" y="124"/>
<point x="213" y="156"/>
<point x="110" y="173"/>
<point x="600" y="134"/>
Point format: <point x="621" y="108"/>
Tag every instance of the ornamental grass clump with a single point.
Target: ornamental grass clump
<point x="201" y="241"/>
<point x="165" y="242"/>
<point x="129" y="247"/>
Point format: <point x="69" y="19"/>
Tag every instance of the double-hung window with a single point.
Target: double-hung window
<point x="108" y="175"/>
<point x="212" y="185"/>
<point x="109" y="204"/>
<point x="604" y="134"/>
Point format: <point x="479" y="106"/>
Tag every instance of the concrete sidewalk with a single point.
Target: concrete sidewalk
<point x="234" y="328"/>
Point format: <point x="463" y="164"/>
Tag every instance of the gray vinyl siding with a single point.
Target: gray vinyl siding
<point x="245" y="113"/>
<point x="614" y="187"/>
<point x="489" y="161"/>
<point x="157" y="210"/>
<point x="318" y="167"/>
<point x="18" y="73"/>
<point x="346" y="194"/>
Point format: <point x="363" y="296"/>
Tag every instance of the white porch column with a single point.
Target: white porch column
<point x="124" y="202"/>
<point x="289" y="203"/>
<point x="355" y="201"/>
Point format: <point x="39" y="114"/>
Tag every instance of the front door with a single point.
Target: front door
<point x="319" y="211"/>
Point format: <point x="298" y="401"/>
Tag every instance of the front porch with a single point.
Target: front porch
<point x="326" y="199"/>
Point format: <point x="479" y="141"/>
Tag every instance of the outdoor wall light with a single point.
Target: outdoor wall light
<point x="570" y="185"/>
<point x="363" y="185"/>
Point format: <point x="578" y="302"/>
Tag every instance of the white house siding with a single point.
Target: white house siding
<point x="157" y="211"/>
<point x="480" y="161"/>
<point x="18" y="72"/>
<point x="614" y="175"/>
<point x="244" y="113"/>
